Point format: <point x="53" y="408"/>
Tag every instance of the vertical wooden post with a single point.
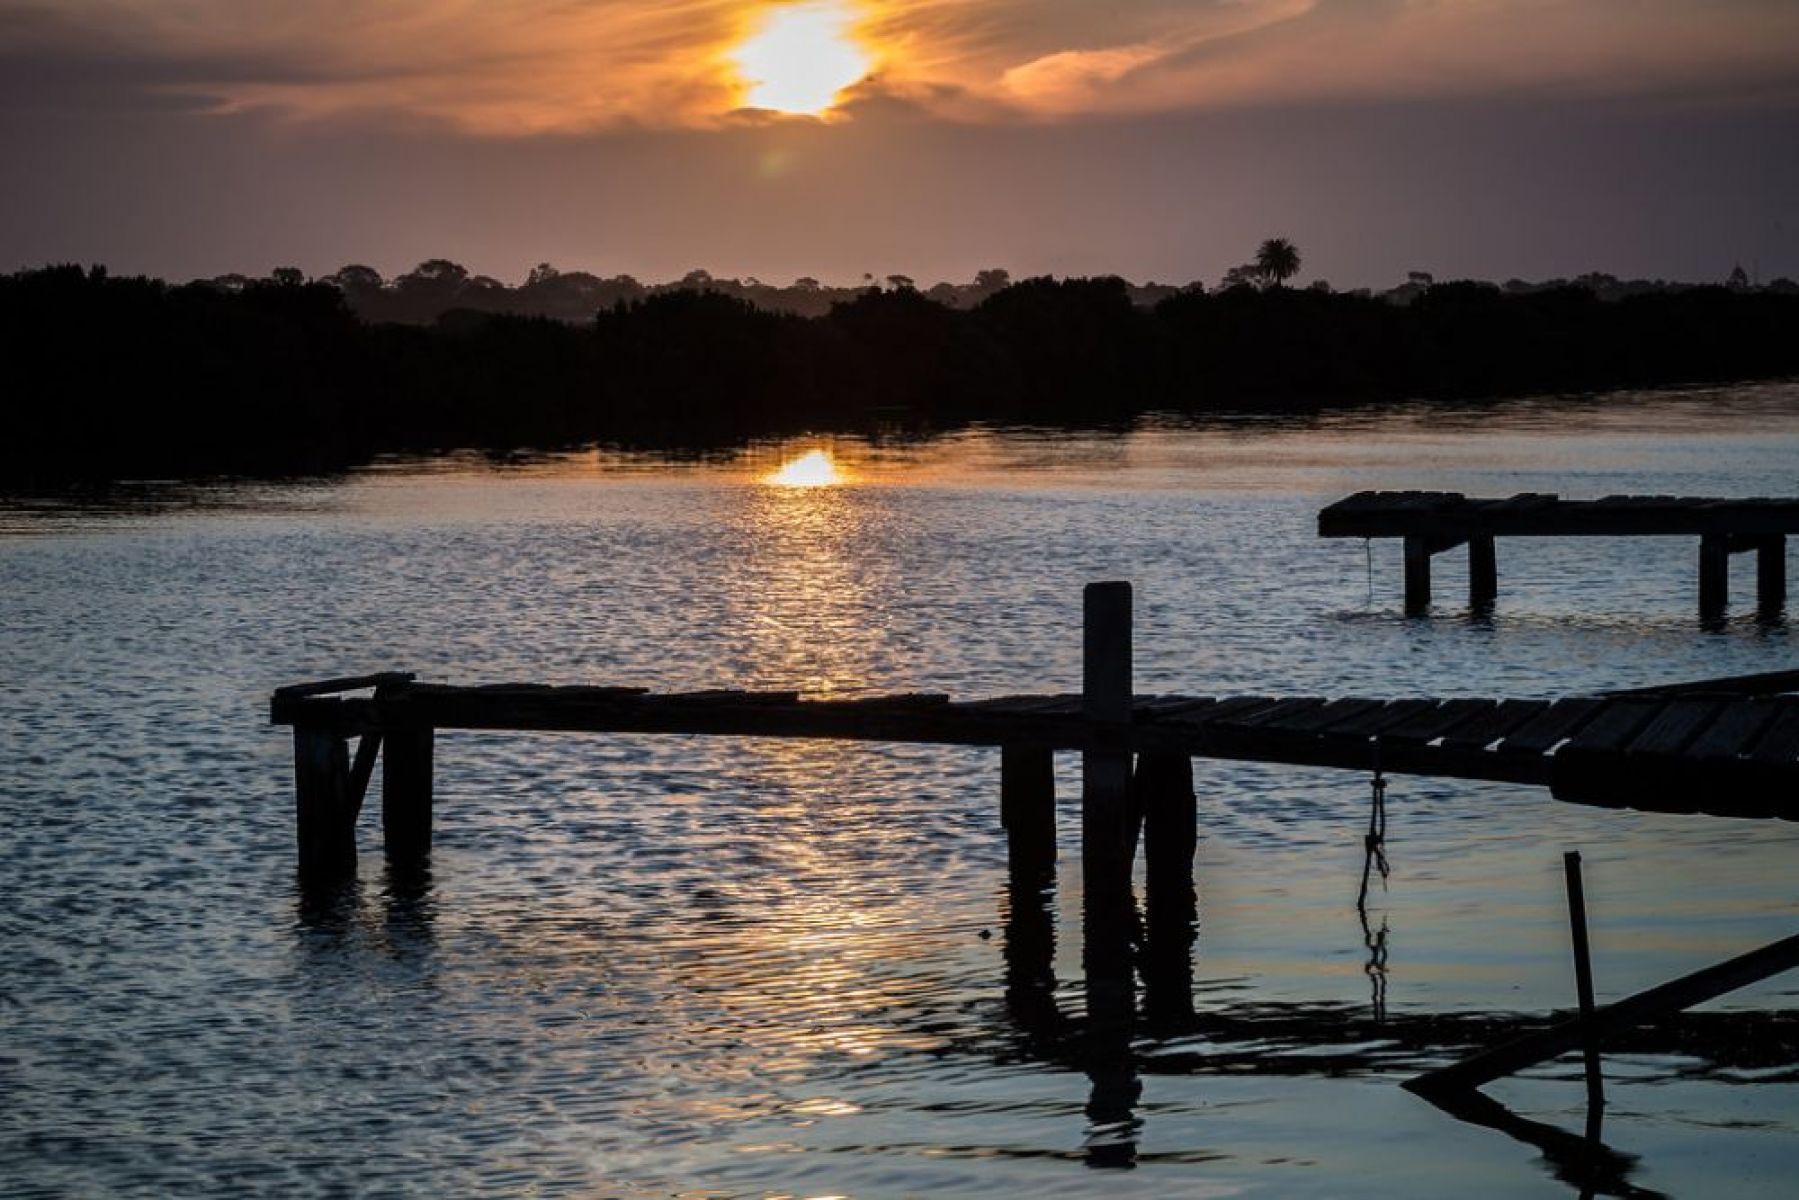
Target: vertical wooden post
<point x="1583" y="977"/>
<point x="1483" y="571"/>
<point x="1108" y="835"/>
<point x="1027" y="808"/>
<point x="324" y="819"/>
<point x="406" y="794"/>
<point x="1417" y="574"/>
<point x="1164" y="783"/>
<point x="1714" y="574"/>
<point x="1771" y="574"/>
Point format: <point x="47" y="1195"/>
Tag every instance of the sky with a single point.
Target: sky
<point x="1156" y="139"/>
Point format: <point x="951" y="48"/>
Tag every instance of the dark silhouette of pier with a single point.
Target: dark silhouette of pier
<point x="1433" y="522"/>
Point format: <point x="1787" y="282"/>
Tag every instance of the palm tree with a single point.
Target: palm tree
<point x="1277" y="261"/>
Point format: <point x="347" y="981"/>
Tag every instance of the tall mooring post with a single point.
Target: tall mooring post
<point x="1108" y="818"/>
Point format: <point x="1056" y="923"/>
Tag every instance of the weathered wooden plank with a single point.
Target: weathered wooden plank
<point x="1734" y="730"/>
<point x="727" y="696"/>
<point x="346" y="683"/>
<point x="1373" y="722"/>
<point x="1273" y="716"/>
<point x="1164" y="707"/>
<point x="1489" y="727"/>
<point x="1434" y="723"/>
<point x="1613" y="726"/>
<point x="902" y="700"/>
<point x="1763" y="683"/>
<point x="1674" y="726"/>
<point x="1332" y="713"/>
<point x="1780" y="743"/>
<point x="1563" y="719"/>
<point x="1228" y="709"/>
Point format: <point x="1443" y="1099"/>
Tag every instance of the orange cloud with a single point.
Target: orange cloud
<point x="530" y="67"/>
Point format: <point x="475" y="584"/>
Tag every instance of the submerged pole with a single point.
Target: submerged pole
<point x="1583" y="977"/>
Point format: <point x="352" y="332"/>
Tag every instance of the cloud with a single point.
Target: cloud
<point x="531" y="67"/>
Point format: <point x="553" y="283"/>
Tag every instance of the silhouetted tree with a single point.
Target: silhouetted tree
<point x="1277" y="260"/>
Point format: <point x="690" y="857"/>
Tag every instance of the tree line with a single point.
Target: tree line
<point x="113" y="377"/>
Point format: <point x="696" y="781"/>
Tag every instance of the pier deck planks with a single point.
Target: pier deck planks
<point x="1723" y="754"/>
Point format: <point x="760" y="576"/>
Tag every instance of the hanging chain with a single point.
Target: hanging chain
<point x="1374" y="842"/>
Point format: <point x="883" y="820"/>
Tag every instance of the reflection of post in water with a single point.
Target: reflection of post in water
<point x="1109" y="928"/>
<point x="1030" y="951"/>
<point x="1374" y="858"/>
<point x="1583" y="1162"/>
<point x="1163" y="787"/>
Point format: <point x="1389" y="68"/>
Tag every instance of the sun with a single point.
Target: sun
<point x="814" y="468"/>
<point x="801" y="58"/>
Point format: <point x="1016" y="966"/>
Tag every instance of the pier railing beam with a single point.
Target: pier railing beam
<point x="406" y="794"/>
<point x="324" y="811"/>
<point x="1108" y="830"/>
<point x="1714" y="574"/>
<point x="1483" y="571"/>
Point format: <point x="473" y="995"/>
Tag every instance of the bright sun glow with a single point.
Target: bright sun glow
<point x="812" y="469"/>
<point x="801" y="58"/>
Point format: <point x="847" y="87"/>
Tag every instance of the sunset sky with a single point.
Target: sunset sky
<point x="1159" y="139"/>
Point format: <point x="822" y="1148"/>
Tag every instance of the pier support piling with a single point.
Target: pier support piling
<point x="406" y="794"/>
<point x="1483" y="572"/>
<point x="1771" y="575"/>
<point x="324" y="810"/>
<point x="1714" y="574"/>
<point x="1108" y="830"/>
<point x="1027" y="808"/>
<point x="1417" y="575"/>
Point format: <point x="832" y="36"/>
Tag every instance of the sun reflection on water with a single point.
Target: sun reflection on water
<point x="815" y="468"/>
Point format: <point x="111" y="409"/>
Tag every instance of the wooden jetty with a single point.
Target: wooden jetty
<point x="1433" y="522"/>
<point x="1727" y="747"/>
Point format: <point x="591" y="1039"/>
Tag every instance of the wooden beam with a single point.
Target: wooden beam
<point x="1449" y="514"/>
<point x="346" y="683"/>
<point x="1671" y="997"/>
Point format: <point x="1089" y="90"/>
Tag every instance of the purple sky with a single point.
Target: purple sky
<point x="1160" y="139"/>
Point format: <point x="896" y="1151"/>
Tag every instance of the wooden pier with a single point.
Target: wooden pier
<point x="1727" y="747"/>
<point x="1433" y="522"/>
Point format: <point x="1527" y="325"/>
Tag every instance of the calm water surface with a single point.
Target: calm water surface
<point x="678" y="967"/>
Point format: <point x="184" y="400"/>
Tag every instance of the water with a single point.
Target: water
<point x="678" y="967"/>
